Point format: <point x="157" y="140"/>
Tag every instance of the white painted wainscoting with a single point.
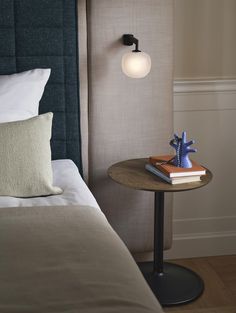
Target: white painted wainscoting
<point x="205" y="219"/>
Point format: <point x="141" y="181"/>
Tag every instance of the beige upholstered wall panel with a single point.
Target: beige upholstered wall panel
<point x="128" y="118"/>
<point x="83" y="83"/>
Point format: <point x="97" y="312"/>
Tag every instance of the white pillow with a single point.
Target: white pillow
<point x="25" y="154"/>
<point x="20" y="94"/>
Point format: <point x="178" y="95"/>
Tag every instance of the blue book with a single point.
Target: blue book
<point x="155" y="171"/>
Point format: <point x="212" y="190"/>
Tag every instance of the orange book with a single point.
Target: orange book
<point x="169" y="169"/>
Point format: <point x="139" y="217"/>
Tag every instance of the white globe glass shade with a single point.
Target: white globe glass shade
<point x="136" y="64"/>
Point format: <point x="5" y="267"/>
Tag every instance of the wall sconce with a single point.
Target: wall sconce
<point x="135" y="64"/>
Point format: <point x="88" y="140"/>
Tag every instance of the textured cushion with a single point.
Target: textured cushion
<point x="20" y="94"/>
<point x="25" y="154"/>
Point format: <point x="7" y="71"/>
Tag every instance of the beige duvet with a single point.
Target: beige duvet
<point x="67" y="260"/>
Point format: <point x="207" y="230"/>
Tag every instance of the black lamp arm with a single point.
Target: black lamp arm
<point x="129" y="40"/>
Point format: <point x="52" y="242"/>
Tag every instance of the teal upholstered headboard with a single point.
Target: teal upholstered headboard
<point x="43" y="34"/>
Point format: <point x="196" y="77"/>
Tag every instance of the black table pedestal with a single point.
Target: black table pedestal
<point x="177" y="284"/>
<point x="172" y="284"/>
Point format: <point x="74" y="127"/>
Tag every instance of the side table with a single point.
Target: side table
<point x="172" y="284"/>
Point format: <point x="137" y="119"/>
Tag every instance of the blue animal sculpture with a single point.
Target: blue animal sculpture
<point x="182" y="150"/>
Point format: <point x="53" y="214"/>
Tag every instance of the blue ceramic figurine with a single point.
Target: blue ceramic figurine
<point x="182" y="150"/>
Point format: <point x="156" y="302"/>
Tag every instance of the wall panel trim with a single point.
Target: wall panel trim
<point x="201" y="245"/>
<point x="212" y="232"/>
<point x="207" y="95"/>
<point x="204" y="86"/>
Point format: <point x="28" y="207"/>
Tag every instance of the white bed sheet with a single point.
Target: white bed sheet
<point x="66" y="176"/>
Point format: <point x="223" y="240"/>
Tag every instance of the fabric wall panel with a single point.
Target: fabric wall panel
<point x="41" y="41"/>
<point x="129" y="118"/>
<point x="7" y="20"/>
<point x="43" y="15"/>
<point x="83" y="83"/>
<point x="57" y="93"/>
<point x="43" y="34"/>
<point x="8" y="37"/>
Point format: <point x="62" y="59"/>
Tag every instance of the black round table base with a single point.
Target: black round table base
<point x="177" y="284"/>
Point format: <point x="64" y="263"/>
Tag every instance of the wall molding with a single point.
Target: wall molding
<point x="196" y="245"/>
<point x="215" y="234"/>
<point x="207" y="225"/>
<point x="204" y="86"/>
<point x="207" y="236"/>
<point x="202" y="244"/>
<point x="204" y="95"/>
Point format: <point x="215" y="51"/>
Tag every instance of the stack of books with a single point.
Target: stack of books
<point x="163" y="167"/>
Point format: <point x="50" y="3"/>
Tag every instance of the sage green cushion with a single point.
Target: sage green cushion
<point x="25" y="158"/>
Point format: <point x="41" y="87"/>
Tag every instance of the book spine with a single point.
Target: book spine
<point x="153" y="170"/>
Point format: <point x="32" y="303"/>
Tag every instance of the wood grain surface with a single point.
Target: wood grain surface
<point x="132" y="173"/>
<point x="219" y="275"/>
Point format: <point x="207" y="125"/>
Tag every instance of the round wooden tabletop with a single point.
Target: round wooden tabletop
<point x="132" y="173"/>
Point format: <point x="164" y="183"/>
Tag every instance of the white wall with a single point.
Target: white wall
<point x="205" y="219"/>
<point x="205" y="106"/>
<point x="205" y="45"/>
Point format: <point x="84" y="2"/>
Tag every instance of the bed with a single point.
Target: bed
<point x="58" y="252"/>
<point x="66" y="176"/>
